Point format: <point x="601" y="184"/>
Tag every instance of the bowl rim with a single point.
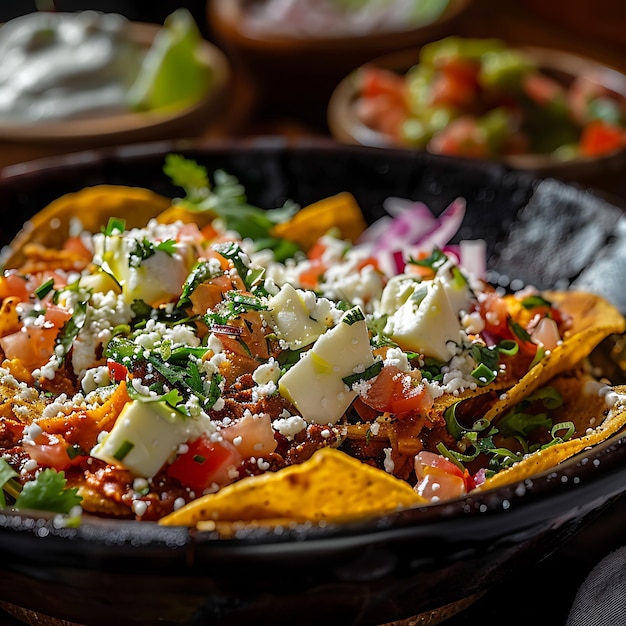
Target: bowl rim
<point x="601" y="464"/>
<point x="85" y="129"/>
<point x="225" y="17"/>
<point x="346" y="128"/>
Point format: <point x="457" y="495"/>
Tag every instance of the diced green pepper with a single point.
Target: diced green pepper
<point x="419" y="130"/>
<point x="496" y="124"/>
<point x="505" y="69"/>
<point x="605" y="109"/>
<point x="419" y="87"/>
<point x="434" y="53"/>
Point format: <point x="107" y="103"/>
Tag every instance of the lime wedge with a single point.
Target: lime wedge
<point x="172" y="74"/>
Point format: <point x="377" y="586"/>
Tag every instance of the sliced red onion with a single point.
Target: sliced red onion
<point x="447" y="225"/>
<point x="414" y="231"/>
<point x="407" y="226"/>
<point x="473" y="257"/>
<point x="225" y="329"/>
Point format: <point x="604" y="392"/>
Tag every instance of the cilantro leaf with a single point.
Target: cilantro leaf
<point x="189" y="175"/>
<point x="69" y="331"/>
<point x="226" y="199"/>
<point x="202" y="272"/>
<point x="48" y="492"/>
<point x="7" y="482"/>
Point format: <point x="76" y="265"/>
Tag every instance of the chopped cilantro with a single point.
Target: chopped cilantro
<point x="47" y="492"/>
<point x="115" y="226"/>
<point x="70" y="330"/>
<point x="201" y="273"/>
<point x="122" y="452"/>
<point x="353" y="316"/>
<point x="144" y="249"/>
<point x="530" y="302"/>
<point x="369" y="373"/>
<point x="226" y="199"/>
<point x="45" y="288"/>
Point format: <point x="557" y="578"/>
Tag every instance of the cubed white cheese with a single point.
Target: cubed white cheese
<point x="155" y="279"/>
<point x="291" y="319"/>
<point x="144" y="436"/>
<point x="458" y="292"/>
<point x="396" y="292"/>
<point x="426" y="325"/>
<point x="314" y="384"/>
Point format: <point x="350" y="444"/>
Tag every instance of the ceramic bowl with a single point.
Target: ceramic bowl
<point x="604" y="171"/>
<point x="25" y="141"/>
<point x="427" y="563"/>
<point x="296" y="73"/>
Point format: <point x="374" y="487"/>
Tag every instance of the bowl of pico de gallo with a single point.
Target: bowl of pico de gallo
<point x="543" y="110"/>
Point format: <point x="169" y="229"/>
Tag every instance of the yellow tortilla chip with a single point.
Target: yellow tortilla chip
<point x="330" y="486"/>
<point x="548" y="458"/>
<point x="339" y="212"/>
<point x="594" y="319"/>
<point x="93" y="206"/>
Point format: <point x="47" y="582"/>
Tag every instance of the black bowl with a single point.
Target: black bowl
<point x="430" y="562"/>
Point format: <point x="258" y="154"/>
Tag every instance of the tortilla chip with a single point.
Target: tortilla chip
<point x="93" y="206"/>
<point x="340" y="213"/>
<point x="594" y="319"/>
<point x="548" y="458"/>
<point x="330" y="486"/>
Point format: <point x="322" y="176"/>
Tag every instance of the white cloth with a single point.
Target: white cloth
<point x="601" y="599"/>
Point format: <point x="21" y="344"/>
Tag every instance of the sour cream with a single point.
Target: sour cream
<point x="56" y="66"/>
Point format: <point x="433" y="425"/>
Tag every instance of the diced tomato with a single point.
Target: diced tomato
<point x="56" y="316"/>
<point x="494" y="311"/>
<point x="370" y="260"/>
<point x="49" y="451"/>
<point x="426" y="461"/>
<point x="78" y="247"/>
<point x="382" y="113"/>
<point x="455" y="86"/>
<point x="542" y="89"/>
<point x="439" y="478"/>
<point x="382" y="104"/>
<point x="14" y="284"/>
<point x="34" y="345"/>
<point x="316" y="251"/>
<point x="599" y="137"/>
<point x="253" y="434"/>
<point x="205" y="463"/>
<point x="394" y="391"/>
<point x="310" y="276"/>
<point x="209" y="232"/>
<point x="117" y="371"/>
<point x="190" y="233"/>
<point x="376" y="81"/>
<point x="464" y="70"/>
<point x="462" y="137"/>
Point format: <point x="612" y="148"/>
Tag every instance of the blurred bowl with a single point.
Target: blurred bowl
<point x="296" y="73"/>
<point x="26" y="141"/>
<point x="429" y="562"/>
<point x="604" y="171"/>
